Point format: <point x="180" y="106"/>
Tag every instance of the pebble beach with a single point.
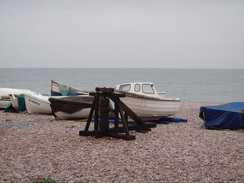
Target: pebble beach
<point x="35" y="147"/>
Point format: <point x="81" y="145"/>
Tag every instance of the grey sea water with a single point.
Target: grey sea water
<point x="217" y="85"/>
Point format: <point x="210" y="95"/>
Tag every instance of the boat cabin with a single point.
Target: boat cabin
<point x="140" y="88"/>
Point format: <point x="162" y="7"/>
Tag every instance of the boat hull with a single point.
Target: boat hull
<point x="5" y="92"/>
<point x="4" y="101"/>
<point x="59" y="89"/>
<point x="18" y="102"/>
<point x="14" y="101"/>
<point x="71" y="107"/>
<point x="81" y="114"/>
<point x="37" y="103"/>
<point x="148" y="109"/>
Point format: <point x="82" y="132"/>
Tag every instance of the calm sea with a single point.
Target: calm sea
<point x="217" y="85"/>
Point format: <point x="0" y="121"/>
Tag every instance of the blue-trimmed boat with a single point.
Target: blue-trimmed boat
<point x="59" y="89"/>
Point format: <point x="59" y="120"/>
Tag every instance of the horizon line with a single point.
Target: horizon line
<point x="111" y="68"/>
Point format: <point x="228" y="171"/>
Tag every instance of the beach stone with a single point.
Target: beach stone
<point x="174" y="152"/>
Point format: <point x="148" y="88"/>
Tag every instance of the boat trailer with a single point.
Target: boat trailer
<point x="101" y="109"/>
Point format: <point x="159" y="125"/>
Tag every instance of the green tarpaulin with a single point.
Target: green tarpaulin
<point x="21" y="103"/>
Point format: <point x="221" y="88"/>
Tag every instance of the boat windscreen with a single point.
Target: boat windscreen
<point x="125" y="87"/>
<point x="148" y="88"/>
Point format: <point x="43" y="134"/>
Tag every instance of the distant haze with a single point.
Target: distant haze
<point x="122" y="33"/>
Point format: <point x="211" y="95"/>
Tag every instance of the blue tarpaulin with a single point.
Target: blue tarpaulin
<point x="227" y="116"/>
<point x="165" y="120"/>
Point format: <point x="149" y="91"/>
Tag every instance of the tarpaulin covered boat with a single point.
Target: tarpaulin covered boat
<point x="71" y="107"/>
<point x="227" y="116"/>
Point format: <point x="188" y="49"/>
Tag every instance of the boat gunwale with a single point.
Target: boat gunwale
<point x="135" y="95"/>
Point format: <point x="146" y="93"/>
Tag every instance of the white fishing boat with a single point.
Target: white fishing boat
<point x="37" y="103"/>
<point x="143" y="99"/>
<point x="59" y="89"/>
<point x="71" y="107"/>
<point x="5" y="92"/>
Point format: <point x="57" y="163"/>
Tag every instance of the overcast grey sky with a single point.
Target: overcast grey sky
<point x="122" y="33"/>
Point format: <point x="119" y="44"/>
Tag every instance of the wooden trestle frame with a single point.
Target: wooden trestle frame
<point x="101" y="117"/>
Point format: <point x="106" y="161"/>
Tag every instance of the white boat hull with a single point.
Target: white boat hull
<point x="144" y="100"/>
<point x="15" y="101"/>
<point x="5" y="92"/>
<point x="84" y="113"/>
<point x="148" y="109"/>
<point x="4" y="102"/>
<point x="37" y="103"/>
